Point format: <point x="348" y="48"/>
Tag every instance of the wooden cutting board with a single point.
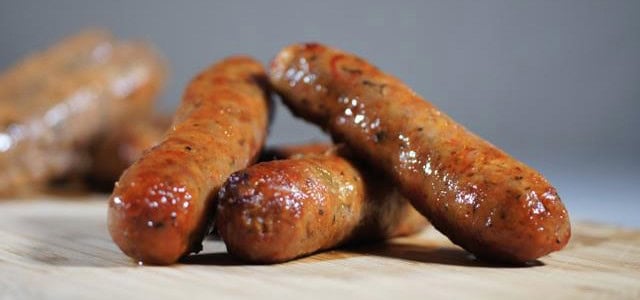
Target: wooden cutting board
<point x="61" y="249"/>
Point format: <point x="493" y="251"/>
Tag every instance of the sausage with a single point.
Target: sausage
<point x="53" y="103"/>
<point x="289" y="151"/>
<point x="282" y="209"/>
<point x="477" y="195"/>
<point x="160" y="208"/>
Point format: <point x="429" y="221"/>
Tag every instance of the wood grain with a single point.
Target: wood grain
<point x="60" y="249"/>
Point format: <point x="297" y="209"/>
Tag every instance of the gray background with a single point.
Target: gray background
<point x="555" y="83"/>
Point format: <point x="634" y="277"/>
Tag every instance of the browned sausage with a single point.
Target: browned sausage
<point x="289" y="151"/>
<point x="53" y="103"/>
<point x="480" y="197"/>
<point x="160" y="208"/>
<point x="279" y="210"/>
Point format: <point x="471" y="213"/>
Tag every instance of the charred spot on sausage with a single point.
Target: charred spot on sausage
<point x="379" y="86"/>
<point x="351" y="71"/>
<point x="379" y="136"/>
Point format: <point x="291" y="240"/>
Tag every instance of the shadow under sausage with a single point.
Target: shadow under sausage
<point x="213" y="259"/>
<point x="432" y="254"/>
<point x="226" y="259"/>
<point x="420" y="253"/>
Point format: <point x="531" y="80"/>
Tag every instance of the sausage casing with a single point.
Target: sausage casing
<point x="282" y="209"/>
<point x="159" y="210"/>
<point x="480" y="197"/>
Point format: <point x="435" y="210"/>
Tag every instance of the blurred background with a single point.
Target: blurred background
<point x="554" y="83"/>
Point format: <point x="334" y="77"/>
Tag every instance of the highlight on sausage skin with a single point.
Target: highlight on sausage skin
<point x="279" y="210"/>
<point x="484" y="200"/>
<point x="160" y="208"/>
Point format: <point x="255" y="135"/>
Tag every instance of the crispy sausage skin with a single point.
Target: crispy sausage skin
<point x="480" y="197"/>
<point x="282" y="209"/>
<point x="159" y="210"/>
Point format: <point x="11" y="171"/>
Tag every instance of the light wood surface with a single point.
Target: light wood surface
<point x="60" y="249"/>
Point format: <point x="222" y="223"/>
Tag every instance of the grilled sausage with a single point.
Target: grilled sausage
<point x="480" y="197"/>
<point x="289" y="151"/>
<point x="159" y="210"/>
<point x="278" y="210"/>
<point x="53" y="103"/>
